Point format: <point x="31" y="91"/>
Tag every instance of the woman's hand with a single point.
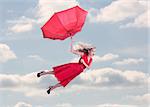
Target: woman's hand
<point x="88" y="67"/>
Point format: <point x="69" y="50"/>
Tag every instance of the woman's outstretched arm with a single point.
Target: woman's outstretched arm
<point x="87" y="66"/>
<point x="75" y="51"/>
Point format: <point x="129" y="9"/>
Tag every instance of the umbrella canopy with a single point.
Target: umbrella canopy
<point x="64" y="24"/>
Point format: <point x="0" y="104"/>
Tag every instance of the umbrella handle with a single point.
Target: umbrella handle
<point x="71" y="39"/>
<point x="71" y="45"/>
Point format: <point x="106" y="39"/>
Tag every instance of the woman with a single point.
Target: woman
<point x="66" y="72"/>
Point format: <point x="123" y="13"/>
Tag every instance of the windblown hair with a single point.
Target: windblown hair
<point x="86" y="51"/>
<point x="84" y="47"/>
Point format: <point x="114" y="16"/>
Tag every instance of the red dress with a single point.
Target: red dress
<point x="66" y="72"/>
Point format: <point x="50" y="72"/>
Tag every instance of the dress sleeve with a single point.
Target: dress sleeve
<point x="84" y="57"/>
<point x="90" y="62"/>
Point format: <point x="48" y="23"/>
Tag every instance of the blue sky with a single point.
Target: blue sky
<point x="119" y="75"/>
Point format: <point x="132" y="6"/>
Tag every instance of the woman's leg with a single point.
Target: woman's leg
<point x="53" y="87"/>
<point x="45" y="72"/>
<point x="56" y="86"/>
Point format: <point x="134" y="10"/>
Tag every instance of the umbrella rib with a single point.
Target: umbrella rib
<point x="76" y="18"/>
<point x="52" y="34"/>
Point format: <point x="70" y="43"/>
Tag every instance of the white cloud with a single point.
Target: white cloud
<point x="46" y="8"/>
<point x="36" y="57"/>
<point x="21" y="27"/>
<point x="143" y="99"/>
<point x="99" y="105"/>
<point x="122" y="10"/>
<point x="141" y="21"/>
<point x="129" y="61"/>
<point x="140" y="99"/>
<point x="97" y="79"/>
<point x="64" y="105"/>
<point x="115" y="105"/>
<point x="17" y="80"/>
<point x="27" y="84"/>
<point x="109" y="77"/>
<point x="23" y="24"/>
<point x="106" y="57"/>
<point x="22" y="104"/>
<point x="133" y="76"/>
<point x="6" y="53"/>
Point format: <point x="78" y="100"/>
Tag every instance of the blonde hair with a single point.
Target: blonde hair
<point x="84" y="47"/>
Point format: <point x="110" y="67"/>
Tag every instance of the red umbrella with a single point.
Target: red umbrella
<point x="64" y="24"/>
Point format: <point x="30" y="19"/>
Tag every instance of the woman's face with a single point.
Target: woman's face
<point x="91" y="53"/>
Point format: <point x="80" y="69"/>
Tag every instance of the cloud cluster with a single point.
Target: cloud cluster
<point x="129" y="61"/>
<point x="6" y="53"/>
<point x="122" y="10"/>
<point x="115" y="105"/>
<point x="23" y="24"/>
<point x="30" y="85"/>
<point x="46" y="8"/>
<point x="99" y="105"/>
<point x="110" y="77"/>
<point x="64" y="105"/>
<point x="142" y="99"/>
<point x="106" y="57"/>
<point x="22" y="104"/>
<point x="141" y="21"/>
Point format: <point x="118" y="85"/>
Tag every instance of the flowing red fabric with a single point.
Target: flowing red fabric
<point x="66" y="72"/>
<point x="64" y="24"/>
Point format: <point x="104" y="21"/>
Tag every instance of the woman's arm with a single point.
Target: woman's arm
<point x="88" y="67"/>
<point x="74" y="51"/>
